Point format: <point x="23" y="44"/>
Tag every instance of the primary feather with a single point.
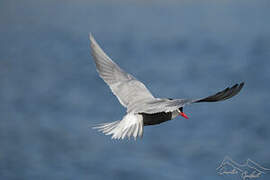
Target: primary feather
<point x="126" y="88"/>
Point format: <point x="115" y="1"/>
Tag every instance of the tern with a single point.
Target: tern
<point x="143" y="108"/>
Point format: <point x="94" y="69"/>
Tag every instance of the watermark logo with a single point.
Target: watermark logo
<point x="248" y="170"/>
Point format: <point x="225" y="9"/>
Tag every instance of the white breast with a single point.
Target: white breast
<point x="175" y="114"/>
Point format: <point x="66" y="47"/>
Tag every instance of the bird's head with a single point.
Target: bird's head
<point x="180" y="111"/>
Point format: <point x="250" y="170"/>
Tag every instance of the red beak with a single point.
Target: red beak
<point x="184" y="115"/>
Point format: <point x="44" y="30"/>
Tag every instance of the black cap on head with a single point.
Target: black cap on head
<point x="181" y="109"/>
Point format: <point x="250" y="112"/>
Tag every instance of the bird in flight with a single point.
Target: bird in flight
<point x="143" y="108"/>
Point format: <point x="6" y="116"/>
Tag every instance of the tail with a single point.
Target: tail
<point x="131" y="125"/>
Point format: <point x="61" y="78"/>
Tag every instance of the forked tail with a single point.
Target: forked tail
<point x="130" y="125"/>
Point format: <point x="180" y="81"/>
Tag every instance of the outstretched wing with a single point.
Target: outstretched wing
<point x="167" y="105"/>
<point x="223" y="95"/>
<point x="125" y="87"/>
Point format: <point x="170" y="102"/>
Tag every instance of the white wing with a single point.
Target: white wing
<point x="167" y="105"/>
<point x="125" y="87"/>
<point x="158" y="105"/>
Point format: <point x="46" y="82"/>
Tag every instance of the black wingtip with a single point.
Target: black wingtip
<point x="224" y="94"/>
<point x="242" y="84"/>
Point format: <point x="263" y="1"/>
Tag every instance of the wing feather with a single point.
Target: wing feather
<point x="223" y="95"/>
<point x="169" y="105"/>
<point x="125" y="87"/>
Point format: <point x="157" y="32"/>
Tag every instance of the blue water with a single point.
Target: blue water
<point x="50" y="92"/>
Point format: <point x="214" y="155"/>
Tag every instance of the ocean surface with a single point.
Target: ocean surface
<point x="51" y="94"/>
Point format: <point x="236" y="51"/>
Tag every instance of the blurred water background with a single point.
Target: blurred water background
<point x="50" y="93"/>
